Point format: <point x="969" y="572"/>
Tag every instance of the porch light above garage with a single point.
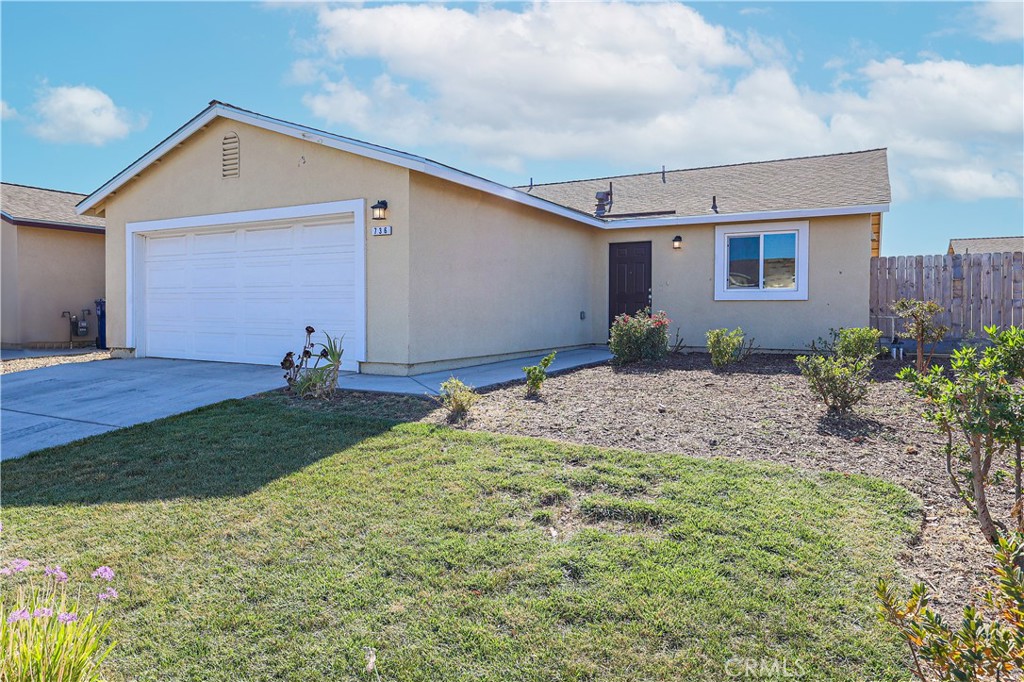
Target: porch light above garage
<point x="380" y="210"/>
<point x="677" y="242"/>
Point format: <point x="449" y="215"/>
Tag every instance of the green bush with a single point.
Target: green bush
<point x="839" y="382"/>
<point x="536" y="374"/>
<point x="640" y="337"/>
<point x="728" y="347"/>
<point x="457" y="398"/>
<point x="840" y="372"/>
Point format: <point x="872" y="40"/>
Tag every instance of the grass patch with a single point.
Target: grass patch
<point x="254" y="540"/>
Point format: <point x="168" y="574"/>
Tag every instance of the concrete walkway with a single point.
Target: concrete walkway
<point x="55" y="405"/>
<point x="477" y="376"/>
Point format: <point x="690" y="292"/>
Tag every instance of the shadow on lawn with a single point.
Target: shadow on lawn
<point x="224" y="450"/>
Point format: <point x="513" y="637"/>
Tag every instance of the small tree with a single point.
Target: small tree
<point x="980" y="649"/>
<point x="982" y="403"/>
<point x="536" y="374"/>
<point x="920" y="325"/>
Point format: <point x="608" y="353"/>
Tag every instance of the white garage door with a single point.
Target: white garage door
<point x="245" y="293"/>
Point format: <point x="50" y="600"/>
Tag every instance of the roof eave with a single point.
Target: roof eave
<point x="747" y="217"/>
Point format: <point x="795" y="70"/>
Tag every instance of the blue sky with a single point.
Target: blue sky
<point x="548" y="91"/>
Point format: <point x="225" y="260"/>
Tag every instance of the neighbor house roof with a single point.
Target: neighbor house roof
<point x="798" y="188"/>
<point x="38" y="207"/>
<point x="986" y="244"/>
<point x="811" y="182"/>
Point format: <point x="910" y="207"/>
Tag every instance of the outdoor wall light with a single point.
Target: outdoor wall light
<point x="380" y="210"/>
<point x="677" y="242"/>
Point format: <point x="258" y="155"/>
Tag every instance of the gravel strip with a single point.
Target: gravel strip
<point x="23" y="364"/>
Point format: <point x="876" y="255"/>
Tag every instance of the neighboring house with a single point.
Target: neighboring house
<point x="986" y="245"/>
<point x="238" y="230"/>
<point x="52" y="262"/>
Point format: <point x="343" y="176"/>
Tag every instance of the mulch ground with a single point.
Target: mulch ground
<point x="762" y="410"/>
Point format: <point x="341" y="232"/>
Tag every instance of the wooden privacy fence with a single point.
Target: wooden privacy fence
<point x="975" y="290"/>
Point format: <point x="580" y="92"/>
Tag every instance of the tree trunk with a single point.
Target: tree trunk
<point x="988" y="526"/>
<point x="920" y="353"/>
<point x="1018" y="502"/>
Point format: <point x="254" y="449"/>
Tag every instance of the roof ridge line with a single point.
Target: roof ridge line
<point x="44" y="189"/>
<point x="696" y="168"/>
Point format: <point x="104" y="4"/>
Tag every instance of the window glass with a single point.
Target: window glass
<point x="744" y="262"/>
<point x="780" y="261"/>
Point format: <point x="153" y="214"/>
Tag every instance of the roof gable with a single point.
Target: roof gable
<point x="564" y="199"/>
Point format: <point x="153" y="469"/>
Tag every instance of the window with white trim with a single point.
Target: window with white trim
<point x="764" y="262"/>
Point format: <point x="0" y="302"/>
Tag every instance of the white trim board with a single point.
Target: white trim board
<point x="438" y="170"/>
<point x="135" y="244"/>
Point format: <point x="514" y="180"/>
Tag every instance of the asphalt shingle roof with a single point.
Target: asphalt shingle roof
<point x="44" y="205"/>
<point x="987" y="244"/>
<point x="812" y="182"/>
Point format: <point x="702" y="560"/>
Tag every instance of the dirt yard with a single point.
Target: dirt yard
<point x="761" y="411"/>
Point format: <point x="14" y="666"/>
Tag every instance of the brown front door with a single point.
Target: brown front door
<point x="629" y="278"/>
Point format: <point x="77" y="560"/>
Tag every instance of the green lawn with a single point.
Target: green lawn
<point x="254" y="540"/>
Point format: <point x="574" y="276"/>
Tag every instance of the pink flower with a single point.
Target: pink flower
<point x="20" y="614"/>
<point x="104" y="573"/>
<point x="42" y="612"/>
<point x="109" y="593"/>
<point x="68" y="617"/>
<point x="16" y="566"/>
<point x="56" y="573"/>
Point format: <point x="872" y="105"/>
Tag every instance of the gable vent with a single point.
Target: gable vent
<point x="230" y="158"/>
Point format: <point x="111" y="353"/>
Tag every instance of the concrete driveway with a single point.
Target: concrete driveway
<point x="41" y="408"/>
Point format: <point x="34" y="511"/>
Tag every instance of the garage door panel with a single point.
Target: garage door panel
<point x="215" y="243"/>
<point x="245" y="295"/>
<point x="166" y="246"/>
<point x="268" y="239"/>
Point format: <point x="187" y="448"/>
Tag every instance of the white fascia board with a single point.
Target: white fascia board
<point x="756" y="216"/>
<point x="393" y="157"/>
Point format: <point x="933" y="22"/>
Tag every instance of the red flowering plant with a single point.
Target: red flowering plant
<point x="642" y="337"/>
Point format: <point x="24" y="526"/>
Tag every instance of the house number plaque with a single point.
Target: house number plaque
<point x="381" y="230"/>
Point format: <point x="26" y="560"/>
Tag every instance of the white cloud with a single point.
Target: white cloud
<point x="999" y="21"/>
<point x="81" y="114"/>
<point x="647" y="84"/>
<point x="7" y="112"/>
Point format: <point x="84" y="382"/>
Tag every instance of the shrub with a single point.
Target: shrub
<point x="536" y="374"/>
<point x="839" y="382"/>
<point x="640" y="337"/>
<point x="852" y="342"/>
<point x="457" y="398"/>
<point x="840" y="372"/>
<point x="977" y="650"/>
<point x="318" y="380"/>
<point x="47" y="635"/>
<point x="728" y="347"/>
<point x="919" y="316"/>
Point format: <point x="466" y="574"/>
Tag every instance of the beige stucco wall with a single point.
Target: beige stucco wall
<point x="10" y="320"/>
<point x="491" y="277"/>
<point x="48" y="271"/>
<point x="683" y="284"/>
<point x="276" y="170"/>
<point x="467" y="276"/>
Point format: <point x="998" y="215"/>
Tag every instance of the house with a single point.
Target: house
<point x="986" y="245"/>
<point x="238" y="230"/>
<point x="52" y="262"/>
